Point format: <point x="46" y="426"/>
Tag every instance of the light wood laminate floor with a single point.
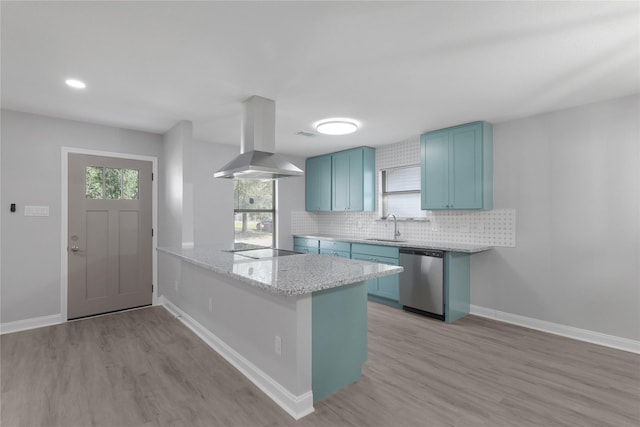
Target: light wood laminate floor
<point x="145" y="368"/>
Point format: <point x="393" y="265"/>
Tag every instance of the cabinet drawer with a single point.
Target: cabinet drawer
<point x="375" y="258"/>
<point x="336" y="246"/>
<point x="375" y="250"/>
<point x="331" y="252"/>
<point x="302" y="241"/>
<point x="305" y="249"/>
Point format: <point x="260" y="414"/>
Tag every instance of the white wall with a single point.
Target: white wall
<point x="31" y="175"/>
<point x="175" y="216"/>
<point x="245" y="318"/>
<point x="213" y="198"/>
<point x="290" y="193"/>
<point x="573" y="178"/>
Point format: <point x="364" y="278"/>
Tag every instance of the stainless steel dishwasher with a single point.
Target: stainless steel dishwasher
<point x="422" y="281"/>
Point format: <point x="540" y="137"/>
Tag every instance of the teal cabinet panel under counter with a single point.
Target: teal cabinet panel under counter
<point x="382" y="291"/>
<point x="307" y="246"/>
<point x="333" y="248"/>
<point x="457" y="167"/>
<point x="457" y="286"/>
<point x="339" y="338"/>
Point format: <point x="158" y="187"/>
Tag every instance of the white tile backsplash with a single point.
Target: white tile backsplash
<point x="492" y="228"/>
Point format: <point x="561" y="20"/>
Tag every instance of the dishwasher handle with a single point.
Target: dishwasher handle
<point x="422" y="252"/>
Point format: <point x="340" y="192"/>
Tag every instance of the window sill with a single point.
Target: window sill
<point x="404" y="219"/>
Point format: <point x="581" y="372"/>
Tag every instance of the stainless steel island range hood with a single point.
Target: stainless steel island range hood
<point x="257" y="159"/>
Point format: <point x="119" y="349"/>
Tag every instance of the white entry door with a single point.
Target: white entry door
<point x="110" y="234"/>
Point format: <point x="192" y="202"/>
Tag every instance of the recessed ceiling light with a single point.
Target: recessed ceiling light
<point x="75" y="83"/>
<point x="337" y="126"/>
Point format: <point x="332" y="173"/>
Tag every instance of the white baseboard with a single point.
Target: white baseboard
<point x="558" y="329"/>
<point x="26" y="324"/>
<point x="296" y="406"/>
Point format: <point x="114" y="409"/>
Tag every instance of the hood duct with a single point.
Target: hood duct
<point x="257" y="159"/>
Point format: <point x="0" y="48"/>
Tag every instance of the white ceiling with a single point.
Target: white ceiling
<point x="400" y="68"/>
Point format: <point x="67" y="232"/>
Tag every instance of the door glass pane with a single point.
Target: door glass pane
<point x="254" y="227"/>
<point x="94" y="182"/>
<point x="113" y="183"/>
<point x="130" y="184"/>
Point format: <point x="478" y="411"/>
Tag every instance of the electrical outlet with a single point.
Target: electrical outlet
<point x="278" y="345"/>
<point x="210" y="305"/>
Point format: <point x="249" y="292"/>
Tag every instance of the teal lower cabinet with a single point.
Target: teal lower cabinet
<point x="330" y="252"/>
<point x="457" y="285"/>
<point x="385" y="289"/>
<point x="339" y="338"/>
<point x="333" y="248"/>
<point x="307" y="246"/>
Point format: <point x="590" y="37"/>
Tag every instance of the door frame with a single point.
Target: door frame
<point x="64" y="218"/>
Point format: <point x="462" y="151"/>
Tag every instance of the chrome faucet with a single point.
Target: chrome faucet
<point x="396" y="232"/>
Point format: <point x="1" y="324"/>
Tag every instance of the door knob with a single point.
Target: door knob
<point x="75" y="248"/>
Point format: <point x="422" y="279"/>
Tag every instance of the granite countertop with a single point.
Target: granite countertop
<point x="443" y="246"/>
<point x="285" y="275"/>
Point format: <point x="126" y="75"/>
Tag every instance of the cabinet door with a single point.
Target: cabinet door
<point x="457" y="167"/>
<point x="372" y="284"/>
<point x="318" y="184"/>
<point x="312" y="169"/>
<point x="434" y="151"/>
<point x="340" y="184"/>
<point x="388" y="287"/>
<point x="465" y="167"/>
<point x="356" y="196"/>
<point x="331" y="252"/>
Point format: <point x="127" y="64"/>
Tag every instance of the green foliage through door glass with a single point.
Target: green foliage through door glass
<point x="113" y="183"/>
<point x="130" y="184"/>
<point x="94" y="182"/>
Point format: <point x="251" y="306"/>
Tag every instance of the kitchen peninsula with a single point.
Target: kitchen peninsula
<point x="295" y="325"/>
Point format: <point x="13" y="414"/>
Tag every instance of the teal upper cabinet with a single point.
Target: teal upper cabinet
<point x="353" y="183"/>
<point x="457" y="167"/>
<point x="318" y="183"/>
<point x="341" y="181"/>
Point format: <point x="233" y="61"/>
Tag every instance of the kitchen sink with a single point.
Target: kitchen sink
<point x="386" y="240"/>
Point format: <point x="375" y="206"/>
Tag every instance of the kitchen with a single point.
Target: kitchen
<point x="565" y="177"/>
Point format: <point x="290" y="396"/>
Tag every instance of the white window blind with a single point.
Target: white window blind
<point x="401" y="192"/>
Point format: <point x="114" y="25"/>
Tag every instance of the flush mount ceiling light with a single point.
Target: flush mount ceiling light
<point x="336" y="126"/>
<point x="75" y="83"/>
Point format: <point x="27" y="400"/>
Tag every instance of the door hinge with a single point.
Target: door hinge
<point x="152" y="232"/>
<point x="151" y="176"/>
<point x="152" y="288"/>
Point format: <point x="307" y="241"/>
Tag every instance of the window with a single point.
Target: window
<point x="254" y="212"/>
<point x="110" y="183"/>
<point x="400" y="192"/>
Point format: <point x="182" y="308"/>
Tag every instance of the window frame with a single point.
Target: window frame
<point x="272" y="211"/>
<point x="383" y="194"/>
